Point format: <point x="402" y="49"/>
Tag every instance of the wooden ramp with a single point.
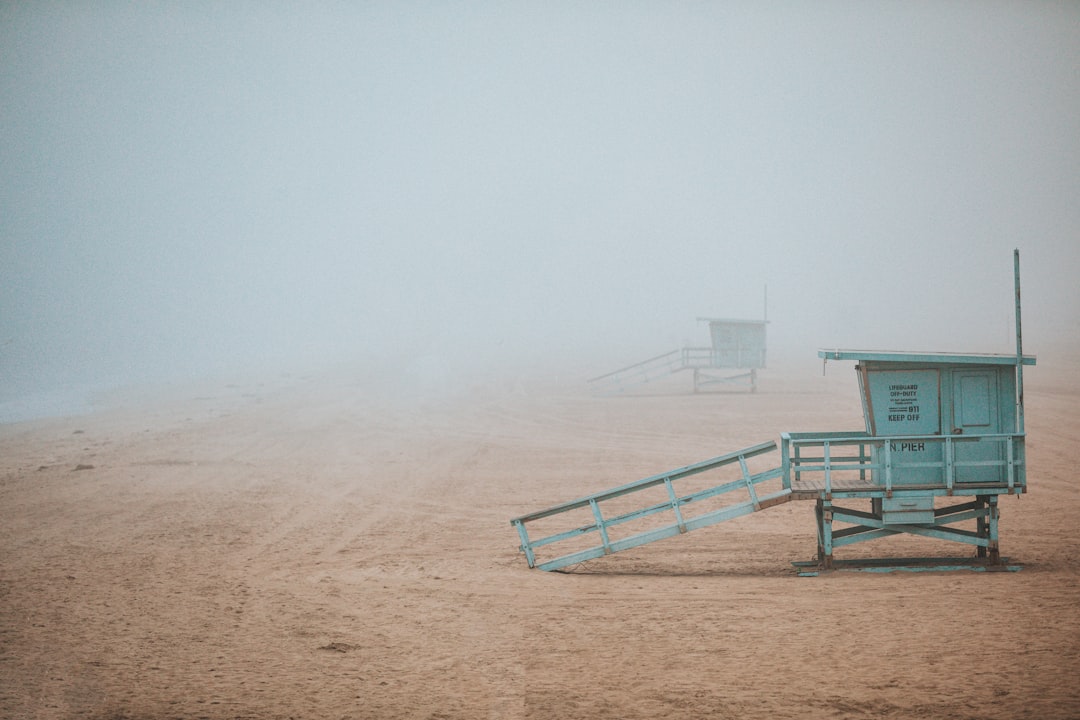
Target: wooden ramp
<point x="703" y="361"/>
<point x="653" y="508"/>
<point x="640" y="373"/>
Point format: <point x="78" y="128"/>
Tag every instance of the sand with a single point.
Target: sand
<point x="322" y="548"/>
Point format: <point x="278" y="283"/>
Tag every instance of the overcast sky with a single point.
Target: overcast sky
<point x="186" y="187"/>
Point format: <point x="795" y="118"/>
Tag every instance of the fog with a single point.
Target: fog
<point x="197" y="188"/>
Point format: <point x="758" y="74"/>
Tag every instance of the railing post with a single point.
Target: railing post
<point x="785" y="461"/>
<point x="600" y="526"/>
<point x="828" y="469"/>
<point x="675" y="505"/>
<point x="1011" y="459"/>
<point x="888" y="468"/>
<point x="749" y="483"/>
<point x="525" y="543"/>
<point x="950" y="468"/>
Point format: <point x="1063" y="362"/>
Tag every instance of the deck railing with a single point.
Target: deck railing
<point x="858" y="463"/>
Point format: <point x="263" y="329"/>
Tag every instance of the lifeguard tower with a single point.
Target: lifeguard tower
<point x="943" y="441"/>
<point x="737" y="345"/>
<point x="940" y="429"/>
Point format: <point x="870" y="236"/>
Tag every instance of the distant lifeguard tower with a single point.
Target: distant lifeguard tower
<point x="736" y="345"/>
<point x="943" y="441"/>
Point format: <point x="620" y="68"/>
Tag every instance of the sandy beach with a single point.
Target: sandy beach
<point x="320" y="547"/>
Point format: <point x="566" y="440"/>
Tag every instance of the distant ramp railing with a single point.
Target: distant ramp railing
<point x="673" y="504"/>
<point x="654" y="368"/>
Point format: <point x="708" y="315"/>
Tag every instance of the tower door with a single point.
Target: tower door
<point x="975" y="412"/>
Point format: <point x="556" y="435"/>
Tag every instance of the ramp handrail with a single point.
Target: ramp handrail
<point x="668" y="363"/>
<point x="675" y="502"/>
<point x="651" y="481"/>
<point x="636" y="366"/>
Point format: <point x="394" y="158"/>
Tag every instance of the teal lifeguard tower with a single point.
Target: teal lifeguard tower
<point x="736" y="346"/>
<point x="943" y="441"/>
<point x="940" y="429"/>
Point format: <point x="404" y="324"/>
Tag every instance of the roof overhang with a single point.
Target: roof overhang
<point x="731" y="321"/>
<point x="924" y="357"/>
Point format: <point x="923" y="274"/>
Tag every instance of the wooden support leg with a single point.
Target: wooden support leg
<point x="826" y="535"/>
<point x="982" y="528"/>
<point x="993" y="553"/>
<point x="820" y="531"/>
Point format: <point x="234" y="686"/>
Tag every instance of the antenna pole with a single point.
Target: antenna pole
<point x="765" y="315"/>
<point x="1019" y="348"/>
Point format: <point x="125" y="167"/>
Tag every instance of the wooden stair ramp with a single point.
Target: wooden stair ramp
<point x="639" y="373"/>
<point x="680" y="521"/>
